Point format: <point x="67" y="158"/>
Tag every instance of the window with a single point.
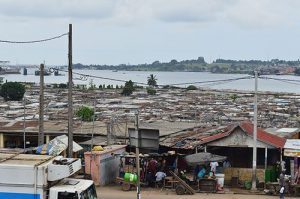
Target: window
<point x="89" y="193"/>
<point x="67" y="195"/>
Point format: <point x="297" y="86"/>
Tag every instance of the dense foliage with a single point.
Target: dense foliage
<point x="128" y="88"/>
<point x="273" y="66"/>
<point x="12" y="91"/>
<point x="85" y="113"/>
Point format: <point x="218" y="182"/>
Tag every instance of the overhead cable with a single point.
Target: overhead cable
<point x="220" y="81"/>
<point x="33" y="41"/>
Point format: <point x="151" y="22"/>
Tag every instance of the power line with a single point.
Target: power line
<point x="280" y="79"/>
<point x="212" y="81"/>
<point x="217" y="82"/>
<point x="294" y="82"/>
<point x="84" y="76"/>
<point x="34" y="41"/>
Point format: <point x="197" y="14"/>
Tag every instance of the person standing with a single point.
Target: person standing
<point x="213" y="166"/>
<point x="282" y="185"/>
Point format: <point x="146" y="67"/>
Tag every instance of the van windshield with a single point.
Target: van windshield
<point x="89" y="193"/>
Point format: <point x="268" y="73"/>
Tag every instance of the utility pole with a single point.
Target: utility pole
<point x="254" y="135"/>
<point x="108" y="134"/>
<point x="24" y="124"/>
<point x="41" y="135"/>
<point x="70" y="100"/>
<point x="137" y="153"/>
<point x="93" y="129"/>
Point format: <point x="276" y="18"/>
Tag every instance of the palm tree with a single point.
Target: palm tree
<point x="152" y="80"/>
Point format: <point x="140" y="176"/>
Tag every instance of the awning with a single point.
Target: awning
<point x="203" y="158"/>
<point x="292" y="148"/>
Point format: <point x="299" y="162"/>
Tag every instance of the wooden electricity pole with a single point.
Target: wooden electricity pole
<point x="41" y="110"/>
<point x="70" y="100"/>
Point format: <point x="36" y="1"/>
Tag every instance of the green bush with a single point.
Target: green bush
<point x="85" y="113"/>
<point x="12" y="91"/>
<point x="151" y="91"/>
<point x="191" y="87"/>
<point x="62" y="85"/>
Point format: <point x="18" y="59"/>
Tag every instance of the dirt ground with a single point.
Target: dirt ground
<point x="115" y="192"/>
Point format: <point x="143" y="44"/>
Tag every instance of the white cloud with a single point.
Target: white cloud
<point x="57" y="8"/>
<point x="244" y="13"/>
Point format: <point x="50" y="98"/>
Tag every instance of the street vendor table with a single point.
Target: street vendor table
<point x="207" y="185"/>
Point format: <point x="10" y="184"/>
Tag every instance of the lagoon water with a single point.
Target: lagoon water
<point x="165" y="78"/>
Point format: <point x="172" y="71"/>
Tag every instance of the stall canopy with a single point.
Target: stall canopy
<point x="292" y="148"/>
<point x="57" y="146"/>
<point x="203" y="158"/>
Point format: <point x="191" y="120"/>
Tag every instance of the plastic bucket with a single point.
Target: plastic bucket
<point x="220" y="179"/>
<point x="130" y="177"/>
<point x="248" y="185"/>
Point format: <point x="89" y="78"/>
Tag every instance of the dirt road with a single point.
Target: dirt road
<point x="117" y="193"/>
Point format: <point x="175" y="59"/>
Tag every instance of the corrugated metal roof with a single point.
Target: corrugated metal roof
<point x="191" y="139"/>
<point x="263" y="136"/>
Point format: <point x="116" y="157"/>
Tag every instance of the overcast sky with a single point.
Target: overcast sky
<point x="143" y="31"/>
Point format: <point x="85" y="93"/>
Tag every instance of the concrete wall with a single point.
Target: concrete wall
<point x="1" y="140"/>
<point x="104" y="164"/>
<point x="244" y="174"/>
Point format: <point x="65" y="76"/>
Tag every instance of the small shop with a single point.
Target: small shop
<point x="236" y="143"/>
<point x="292" y="154"/>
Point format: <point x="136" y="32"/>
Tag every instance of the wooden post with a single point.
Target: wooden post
<point x="70" y="99"/>
<point x="137" y="151"/>
<point x="41" y="136"/>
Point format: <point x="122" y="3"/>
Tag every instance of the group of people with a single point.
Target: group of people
<point x="155" y="171"/>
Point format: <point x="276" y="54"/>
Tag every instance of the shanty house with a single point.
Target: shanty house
<point x="236" y="142"/>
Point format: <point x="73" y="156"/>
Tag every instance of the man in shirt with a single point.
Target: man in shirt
<point x="160" y="176"/>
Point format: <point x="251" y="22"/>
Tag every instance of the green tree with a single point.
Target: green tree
<point x="128" y="88"/>
<point x="100" y="86"/>
<point x="85" y="113"/>
<point x="117" y="87"/>
<point x="151" y="91"/>
<point x="12" y="91"/>
<point x="152" y="81"/>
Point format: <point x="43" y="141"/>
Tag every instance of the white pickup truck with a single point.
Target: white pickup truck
<point x="24" y="176"/>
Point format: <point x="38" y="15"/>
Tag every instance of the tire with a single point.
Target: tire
<point x="180" y="190"/>
<point x="126" y="186"/>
